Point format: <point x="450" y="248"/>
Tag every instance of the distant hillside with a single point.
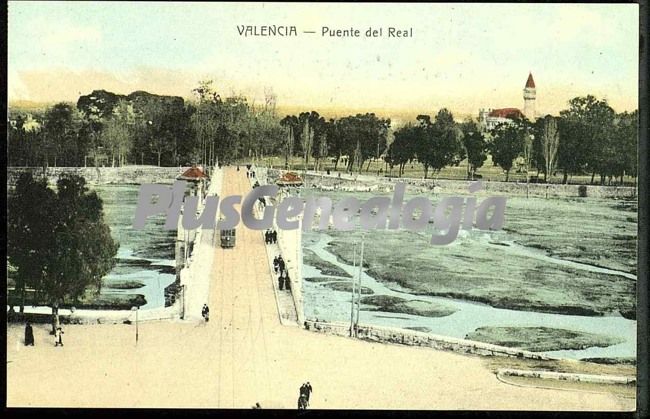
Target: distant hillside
<point x="28" y="105"/>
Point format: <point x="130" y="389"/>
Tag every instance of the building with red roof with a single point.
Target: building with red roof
<point x="490" y="118"/>
<point x="193" y="174"/>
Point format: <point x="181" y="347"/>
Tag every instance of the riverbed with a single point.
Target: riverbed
<point x="560" y="263"/>
<point x="145" y="257"/>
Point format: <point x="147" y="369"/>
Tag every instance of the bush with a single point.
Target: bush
<point x="582" y="191"/>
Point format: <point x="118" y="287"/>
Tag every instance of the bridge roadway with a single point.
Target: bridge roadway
<point x="244" y="355"/>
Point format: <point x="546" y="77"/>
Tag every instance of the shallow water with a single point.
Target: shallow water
<point x="143" y="254"/>
<point x="327" y="304"/>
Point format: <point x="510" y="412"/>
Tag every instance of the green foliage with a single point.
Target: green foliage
<point x="475" y="146"/>
<point x="143" y="128"/>
<point x="587" y="129"/>
<point x="29" y="230"/>
<point x="442" y="145"/>
<point x="404" y="147"/>
<point x="58" y="242"/>
<point x="507" y="144"/>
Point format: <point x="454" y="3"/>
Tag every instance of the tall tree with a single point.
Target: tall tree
<point x="475" y="147"/>
<point x="589" y="127"/>
<point x="507" y="144"/>
<point x="118" y="133"/>
<point x="76" y="249"/>
<point x="404" y="147"/>
<point x="441" y="144"/>
<point x="30" y="217"/>
<point x="549" y="136"/>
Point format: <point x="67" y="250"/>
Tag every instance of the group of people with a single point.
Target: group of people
<point x="270" y="236"/>
<point x="280" y="268"/>
<point x="29" y="335"/>
<point x="250" y="174"/>
<point x="303" y="399"/>
<point x="283" y="281"/>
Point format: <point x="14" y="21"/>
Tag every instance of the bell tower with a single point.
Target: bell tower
<point x="530" y="94"/>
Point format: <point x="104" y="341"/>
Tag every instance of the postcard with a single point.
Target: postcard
<point x="322" y="206"/>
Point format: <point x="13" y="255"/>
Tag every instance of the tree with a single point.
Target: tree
<point x="475" y="147"/>
<point x="76" y="249"/>
<point x="29" y="232"/>
<point x="403" y="148"/>
<point x="507" y="144"/>
<point x="118" y="133"/>
<point x="441" y="144"/>
<point x="589" y="129"/>
<point x="290" y="124"/>
<point x="24" y="138"/>
<point x="163" y="121"/>
<point x="549" y="136"/>
<point x="626" y="140"/>
<point x="360" y="137"/>
<point x="307" y="141"/>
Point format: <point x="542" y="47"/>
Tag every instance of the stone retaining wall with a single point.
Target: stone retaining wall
<point x="584" y="378"/>
<point x="104" y="175"/>
<point x="415" y="338"/>
<point x="370" y="183"/>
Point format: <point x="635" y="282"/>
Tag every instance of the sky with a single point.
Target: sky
<point x="461" y="56"/>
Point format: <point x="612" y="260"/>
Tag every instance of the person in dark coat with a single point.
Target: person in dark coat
<point x="302" y="402"/>
<point x="266" y="237"/>
<point x="274" y="236"/>
<point x="29" y="335"/>
<point x="280" y="282"/>
<point x="285" y="279"/>
<point x="58" y="337"/>
<point x="281" y="263"/>
<point x="275" y="264"/>
<point x="308" y="390"/>
<point x="205" y="312"/>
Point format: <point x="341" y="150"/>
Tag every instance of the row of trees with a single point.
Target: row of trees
<point x="435" y="144"/>
<point x="588" y="137"/>
<point x="105" y="129"/>
<point x="359" y="139"/>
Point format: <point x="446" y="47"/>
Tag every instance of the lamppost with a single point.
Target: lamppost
<point x="136" y="309"/>
<point x="183" y="301"/>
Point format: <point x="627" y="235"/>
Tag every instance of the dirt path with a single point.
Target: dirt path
<point x="243" y="355"/>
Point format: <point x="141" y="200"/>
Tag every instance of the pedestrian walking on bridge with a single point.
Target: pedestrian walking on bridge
<point x="281" y="282"/>
<point x="303" y="399"/>
<point x="285" y="279"/>
<point x="306" y="390"/>
<point x="205" y="312"/>
<point x="58" y="337"/>
<point x="29" y="335"/>
<point x="281" y="264"/>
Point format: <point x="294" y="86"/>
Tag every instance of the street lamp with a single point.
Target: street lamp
<point x="136" y="309"/>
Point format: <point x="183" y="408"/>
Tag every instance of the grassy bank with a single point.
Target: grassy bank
<point x="541" y="339"/>
<point x="323" y="266"/>
<point x="528" y="267"/>
<point x="415" y="307"/>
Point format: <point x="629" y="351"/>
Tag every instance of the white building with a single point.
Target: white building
<point x="489" y="118"/>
